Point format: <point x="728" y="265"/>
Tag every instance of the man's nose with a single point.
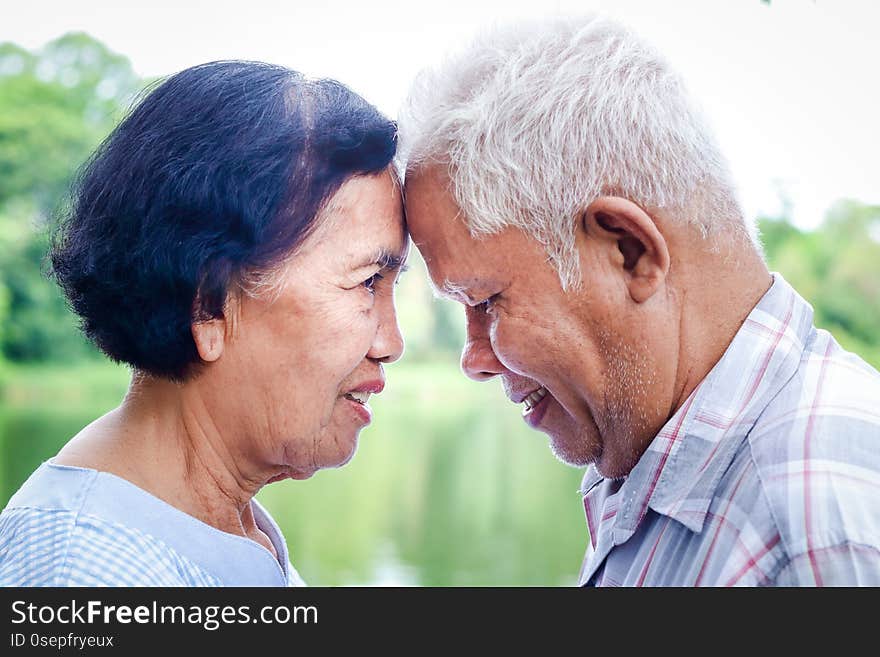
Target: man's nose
<point x="478" y="359"/>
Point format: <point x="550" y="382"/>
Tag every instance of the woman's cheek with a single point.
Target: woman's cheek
<point x="342" y="318"/>
<point x="353" y="330"/>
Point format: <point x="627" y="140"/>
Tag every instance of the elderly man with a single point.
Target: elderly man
<point x="562" y="186"/>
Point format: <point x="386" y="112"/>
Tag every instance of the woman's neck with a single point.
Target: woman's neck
<point x="164" y="439"/>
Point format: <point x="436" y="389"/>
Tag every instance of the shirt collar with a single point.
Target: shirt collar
<point x="679" y="472"/>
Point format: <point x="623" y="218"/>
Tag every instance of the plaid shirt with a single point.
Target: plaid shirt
<point x="769" y="473"/>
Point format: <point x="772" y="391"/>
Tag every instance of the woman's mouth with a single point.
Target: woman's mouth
<point x="534" y="407"/>
<point x="359" y="404"/>
<point x="359" y="397"/>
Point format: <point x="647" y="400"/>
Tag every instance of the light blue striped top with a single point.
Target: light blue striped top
<point x="70" y="526"/>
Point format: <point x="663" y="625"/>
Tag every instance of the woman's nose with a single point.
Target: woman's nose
<point x="478" y="359"/>
<point x="388" y="344"/>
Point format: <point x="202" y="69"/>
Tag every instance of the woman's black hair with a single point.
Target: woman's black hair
<point x="220" y="171"/>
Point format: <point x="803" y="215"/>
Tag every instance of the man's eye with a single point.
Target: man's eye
<point x="370" y="283"/>
<point x="487" y="305"/>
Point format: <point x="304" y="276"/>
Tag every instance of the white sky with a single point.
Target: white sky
<point x="791" y="88"/>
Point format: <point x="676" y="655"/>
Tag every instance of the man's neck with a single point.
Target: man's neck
<point x="718" y="291"/>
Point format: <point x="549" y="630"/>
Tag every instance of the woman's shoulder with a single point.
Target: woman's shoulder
<point x="40" y="547"/>
<point x="52" y="533"/>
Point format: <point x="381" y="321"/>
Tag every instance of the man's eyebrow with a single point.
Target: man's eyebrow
<point x="452" y="288"/>
<point x="468" y="288"/>
<point x="449" y="289"/>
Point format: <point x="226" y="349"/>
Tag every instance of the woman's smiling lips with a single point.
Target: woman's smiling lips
<point x="358" y="397"/>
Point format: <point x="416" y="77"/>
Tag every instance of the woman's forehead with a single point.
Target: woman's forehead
<point x="362" y="224"/>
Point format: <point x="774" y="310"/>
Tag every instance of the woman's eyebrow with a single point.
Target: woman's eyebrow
<point x="386" y="259"/>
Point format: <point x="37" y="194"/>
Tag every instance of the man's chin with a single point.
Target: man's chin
<point x="573" y="452"/>
<point x="616" y="466"/>
<point x="572" y="442"/>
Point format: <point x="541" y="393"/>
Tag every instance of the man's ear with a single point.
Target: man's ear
<point x="640" y="250"/>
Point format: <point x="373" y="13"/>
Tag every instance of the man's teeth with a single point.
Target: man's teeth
<point x="359" y="397"/>
<point x="532" y="400"/>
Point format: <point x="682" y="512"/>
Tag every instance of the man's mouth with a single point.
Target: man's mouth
<point x="533" y="399"/>
<point x="535" y="405"/>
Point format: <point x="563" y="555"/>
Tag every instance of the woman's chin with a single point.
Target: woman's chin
<point x="343" y="459"/>
<point x="299" y="474"/>
<point x="292" y="473"/>
<point x="339" y="448"/>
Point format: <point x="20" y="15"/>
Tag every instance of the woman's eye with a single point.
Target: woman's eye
<point x="370" y="283"/>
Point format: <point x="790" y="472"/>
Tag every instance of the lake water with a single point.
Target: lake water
<point x="448" y="488"/>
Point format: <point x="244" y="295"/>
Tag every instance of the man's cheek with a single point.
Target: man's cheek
<point x="521" y="361"/>
<point x="520" y="353"/>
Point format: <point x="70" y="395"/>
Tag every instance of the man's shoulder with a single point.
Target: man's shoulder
<point x="841" y="377"/>
<point x="816" y="450"/>
<point x="831" y="402"/>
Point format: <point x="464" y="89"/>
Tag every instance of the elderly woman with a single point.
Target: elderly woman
<point x="236" y="242"/>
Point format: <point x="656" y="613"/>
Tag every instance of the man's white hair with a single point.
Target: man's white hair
<point x="535" y="121"/>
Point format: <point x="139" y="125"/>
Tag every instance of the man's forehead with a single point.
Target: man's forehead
<point x="461" y="265"/>
<point x="427" y="177"/>
<point x="431" y="207"/>
<point x="429" y="191"/>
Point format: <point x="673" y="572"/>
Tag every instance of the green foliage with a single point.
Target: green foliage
<point x="837" y="269"/>
<point x="55" y="107"/>
<point x="37" y="325"/>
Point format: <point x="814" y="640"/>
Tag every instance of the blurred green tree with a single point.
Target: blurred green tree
<point x="55" y="107"/>
<point x="837" y="269"/>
